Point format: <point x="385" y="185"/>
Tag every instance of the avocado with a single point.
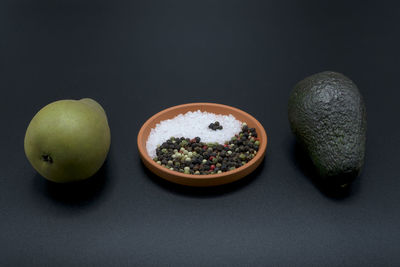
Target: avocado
<point x="327" y="115"/>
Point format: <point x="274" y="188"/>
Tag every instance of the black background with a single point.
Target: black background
<point x="139" y="57"/>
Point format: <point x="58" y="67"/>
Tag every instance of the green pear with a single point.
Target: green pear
<point x="68" y="140"/>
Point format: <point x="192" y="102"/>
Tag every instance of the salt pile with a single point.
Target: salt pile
<point x="191" y="125"/>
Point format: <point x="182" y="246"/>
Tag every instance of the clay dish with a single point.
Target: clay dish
<point x="201" y="180"/>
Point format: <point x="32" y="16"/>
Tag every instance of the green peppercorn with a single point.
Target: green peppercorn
<point x="187" y="170"/>
<point x="183" y="143"/>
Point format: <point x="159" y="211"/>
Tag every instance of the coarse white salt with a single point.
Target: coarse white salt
<point x="191" y="125"/>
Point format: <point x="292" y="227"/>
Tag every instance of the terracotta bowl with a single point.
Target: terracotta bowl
<point x="201" y="180"/>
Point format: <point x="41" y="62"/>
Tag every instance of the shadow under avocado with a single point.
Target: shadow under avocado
<point x="75" y="194"/>
<point x="205" y="192"/>
<point x="330" y="189"/>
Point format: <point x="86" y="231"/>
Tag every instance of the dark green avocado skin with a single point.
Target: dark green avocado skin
<point x="327" y="114"/>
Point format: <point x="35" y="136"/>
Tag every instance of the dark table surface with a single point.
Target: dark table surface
<point x="139" y="57"/>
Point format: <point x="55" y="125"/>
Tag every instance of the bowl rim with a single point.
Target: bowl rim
<point x="145" y="157"/>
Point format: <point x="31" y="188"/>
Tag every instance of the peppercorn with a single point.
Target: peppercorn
<point x="215" y="126"/>
<point x="186" y="170"/>
<point x="191" y="156"/>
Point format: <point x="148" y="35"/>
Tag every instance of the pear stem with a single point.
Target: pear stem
<point x="47" y="158"/>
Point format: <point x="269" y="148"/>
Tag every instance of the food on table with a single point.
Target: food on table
<point x="327" y="114"/>
<point x="197" y="148"/>
<point x="68" y="140"/>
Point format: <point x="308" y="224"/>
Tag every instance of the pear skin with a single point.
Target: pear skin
<point x="68" y="140"/>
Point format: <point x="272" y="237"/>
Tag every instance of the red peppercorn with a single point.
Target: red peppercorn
<point x="226" y="145"/>
<point x="212" y="167"/>
<point x="204" y="147"/>
<point x="211" y="157"/>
